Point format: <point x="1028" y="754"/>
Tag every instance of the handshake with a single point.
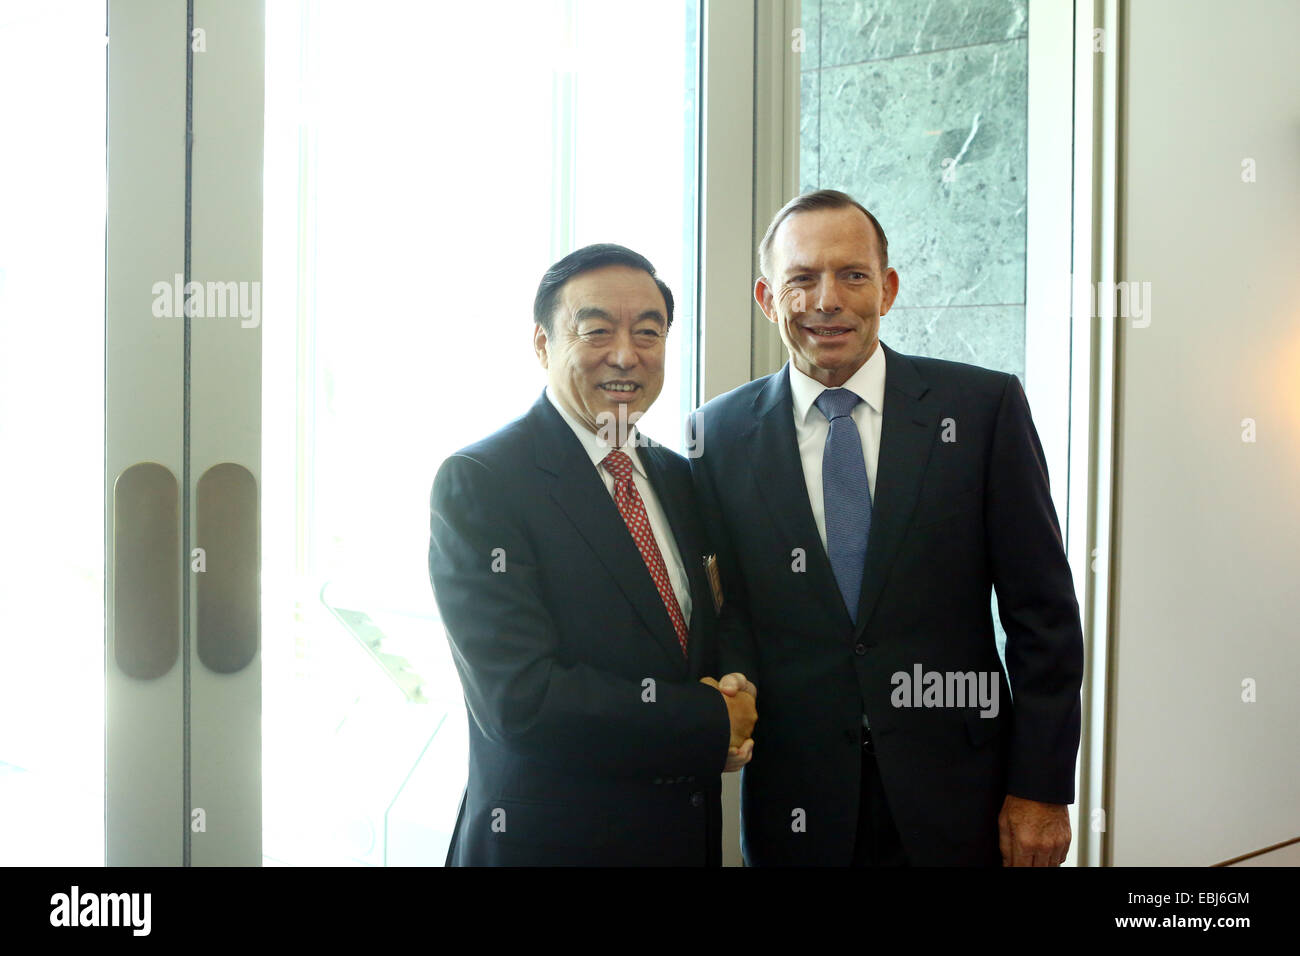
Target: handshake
<point x="740" y="694"/>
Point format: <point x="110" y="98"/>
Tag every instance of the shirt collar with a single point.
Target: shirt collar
<point x="595" y="447"/>
<point x="868" y="383"/>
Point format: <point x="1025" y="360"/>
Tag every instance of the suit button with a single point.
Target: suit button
<point x="697" y="799"/>
<point x="859" y="648"/>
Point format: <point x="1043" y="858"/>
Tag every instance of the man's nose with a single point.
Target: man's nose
<point x="622" y="351"/>
<point x="828" y="297"/>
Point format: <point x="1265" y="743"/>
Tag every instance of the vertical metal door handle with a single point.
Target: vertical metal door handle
<point x="146" y="570"/>
<point x="227" y="591"/>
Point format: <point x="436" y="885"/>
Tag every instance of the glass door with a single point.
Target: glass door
<point x="183" y="339"/>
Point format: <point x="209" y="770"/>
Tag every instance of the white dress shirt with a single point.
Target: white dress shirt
<point x="811" y="426"/>
<point x="597" y="449"/>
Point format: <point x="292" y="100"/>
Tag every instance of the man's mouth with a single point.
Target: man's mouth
<point x="619" y="388"/>
<point x="827" y="331"/>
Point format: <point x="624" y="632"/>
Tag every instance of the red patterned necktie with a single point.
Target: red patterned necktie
<point x="632" y="508"/>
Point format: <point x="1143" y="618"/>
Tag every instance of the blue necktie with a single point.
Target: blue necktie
<point x="846" y="494"/>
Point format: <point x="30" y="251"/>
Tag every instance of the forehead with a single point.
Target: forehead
<point x="616" y="289"/>
<point x="825" y="236"/>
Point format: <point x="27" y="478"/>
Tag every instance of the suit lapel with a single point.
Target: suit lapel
<point x="579" y="492"/>
<point x="781" y="482"/>
<point x="906" y="439"/>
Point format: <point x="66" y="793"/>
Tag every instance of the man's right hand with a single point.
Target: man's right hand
<point x="736" y="759"/>
<point x="742" y="711"/>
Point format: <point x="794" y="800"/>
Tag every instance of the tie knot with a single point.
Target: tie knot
<point x="836" y="403"/>
<point x="618" y="464"/>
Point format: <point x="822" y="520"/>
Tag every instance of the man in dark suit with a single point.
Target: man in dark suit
<point x="568" y="562"/>
<point x="863" y="503"/>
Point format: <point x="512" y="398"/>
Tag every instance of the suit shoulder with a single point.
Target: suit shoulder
<point x="739" y="399"/>
<point x="960" y="376"/>
<point x="501" y="451"/>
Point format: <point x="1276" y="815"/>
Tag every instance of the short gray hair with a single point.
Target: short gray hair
<point x="808" y="202"/>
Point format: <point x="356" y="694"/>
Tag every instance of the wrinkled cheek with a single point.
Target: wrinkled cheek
<point x="790" y="294"/>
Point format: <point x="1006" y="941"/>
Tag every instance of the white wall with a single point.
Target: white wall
<point x="1208" y="544"/>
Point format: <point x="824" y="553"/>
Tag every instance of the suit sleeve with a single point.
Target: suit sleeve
<point x="1037" y="606"/>
<point x="736" y="650"/>
<point x="506" y="646"/>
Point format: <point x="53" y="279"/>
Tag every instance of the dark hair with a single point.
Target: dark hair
<point x="808" y="202"/>
<point x="587" y="259"/>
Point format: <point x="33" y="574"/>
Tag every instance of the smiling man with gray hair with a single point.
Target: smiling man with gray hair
<point x="864" y="504"/>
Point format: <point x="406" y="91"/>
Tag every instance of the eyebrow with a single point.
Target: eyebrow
<point x="857" y="266"/>
<point x="595" y="312"/>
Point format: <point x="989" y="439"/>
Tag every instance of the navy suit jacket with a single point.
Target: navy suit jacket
<point x="591" y="739"/>
<point x="951" y="520"/>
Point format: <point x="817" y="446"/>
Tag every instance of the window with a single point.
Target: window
<point x="422" y="171"/>
<point x="52" y="99"/>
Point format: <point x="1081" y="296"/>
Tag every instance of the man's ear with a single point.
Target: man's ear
<point x="891" y="290"/>
<point x="763" y="296"/>
<point x="539" y="345"/>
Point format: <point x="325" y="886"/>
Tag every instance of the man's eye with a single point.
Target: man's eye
<point x="651" y="333"/>
<point x="857" y="275"/>
<point x="595" y="332"/>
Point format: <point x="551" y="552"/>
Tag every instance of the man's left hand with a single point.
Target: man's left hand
<point x="1032" y="833"/>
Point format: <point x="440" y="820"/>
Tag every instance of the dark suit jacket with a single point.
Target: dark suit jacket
<point x="950" y="520"/>
<point x="569" y="762"/>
